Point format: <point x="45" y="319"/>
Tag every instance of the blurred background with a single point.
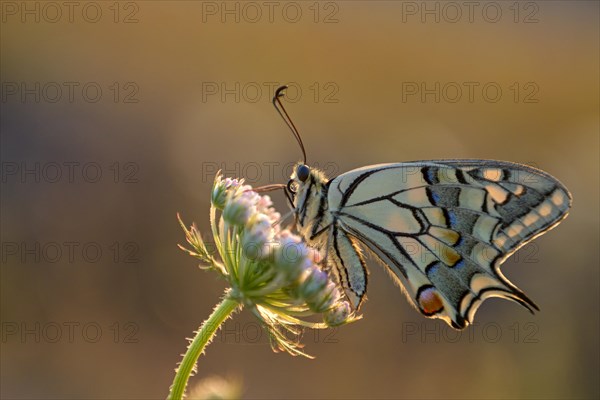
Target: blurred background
<point x="116" y="116"/>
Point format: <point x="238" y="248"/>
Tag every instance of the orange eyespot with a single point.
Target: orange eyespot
<point x="430" y="301"/>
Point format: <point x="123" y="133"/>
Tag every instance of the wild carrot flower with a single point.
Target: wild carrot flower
<point x="269" y="270"/>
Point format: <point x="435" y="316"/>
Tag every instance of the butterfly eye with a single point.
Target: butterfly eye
<point x="302" y="172"/>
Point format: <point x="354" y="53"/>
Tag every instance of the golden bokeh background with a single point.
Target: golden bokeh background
<point x="155" y="96"/>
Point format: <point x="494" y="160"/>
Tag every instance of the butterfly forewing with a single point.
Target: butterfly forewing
<point x="442" y="228"/>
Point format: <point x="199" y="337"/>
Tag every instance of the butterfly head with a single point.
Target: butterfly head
<point x="300" y="177"/>
<point x="303" y="179"/>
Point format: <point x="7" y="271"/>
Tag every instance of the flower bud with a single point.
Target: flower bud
<point x="219" y="191"/>
<point x="264" y="204"/>
<point x="338" y="315"/>
<point x="257" y="233"/>
<point x="290" y="256"/>
<point x="313" y="285"/>
<point x="324" y="299"/>
<point x="238" y="210"/>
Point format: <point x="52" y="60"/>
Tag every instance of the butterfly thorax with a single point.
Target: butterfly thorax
<point x="311" y="207"/>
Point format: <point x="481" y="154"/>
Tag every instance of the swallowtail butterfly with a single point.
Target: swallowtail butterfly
<point x="441" y="228"/>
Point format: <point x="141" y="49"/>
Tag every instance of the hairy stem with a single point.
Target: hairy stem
<point x="204" y="335"/>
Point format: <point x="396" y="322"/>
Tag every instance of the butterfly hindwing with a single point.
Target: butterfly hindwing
<point x="443" y="227"/>
<point x="345" y="256"/>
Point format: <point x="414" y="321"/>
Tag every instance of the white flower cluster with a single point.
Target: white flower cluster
<point x="271" y="270"/>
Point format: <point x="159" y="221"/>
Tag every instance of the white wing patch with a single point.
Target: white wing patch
<point x="391" y="219"/>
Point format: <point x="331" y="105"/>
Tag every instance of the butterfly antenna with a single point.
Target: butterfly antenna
<point x="284" y="115"/>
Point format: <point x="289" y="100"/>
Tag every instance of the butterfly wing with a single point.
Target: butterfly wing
<point x="442" y="228"/>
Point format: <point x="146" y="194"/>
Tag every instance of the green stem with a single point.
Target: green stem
<point x="202" y="338"/>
